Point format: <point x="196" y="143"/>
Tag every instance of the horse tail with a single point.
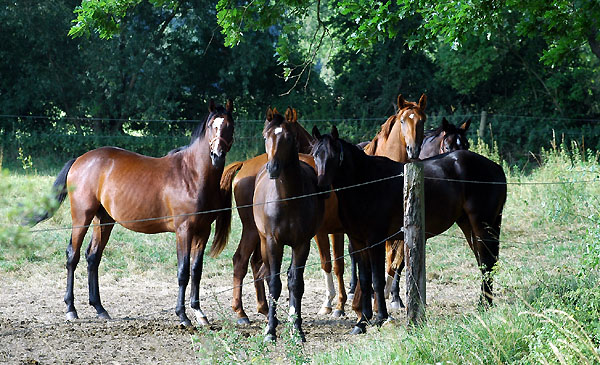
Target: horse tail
<point x="223" y="224"/>
<point x="60" y="189"/>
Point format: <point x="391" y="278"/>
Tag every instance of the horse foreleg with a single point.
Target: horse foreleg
<point x="272" y="253"/>
<point x="100" y="236"/>
<point x="197" y="258"/>
<point x="337" y="243"/>
<point x="377" y="262"/>
<point x="183" y="271"/>
<point x="324" y="252"/>
<point x="296" y="285"/>
<point x="365" y="279"/>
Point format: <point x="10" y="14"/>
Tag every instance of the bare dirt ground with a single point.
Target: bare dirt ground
<point x="145" y="328"/>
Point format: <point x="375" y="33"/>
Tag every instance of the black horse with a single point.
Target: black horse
<point x="461" y="187"/>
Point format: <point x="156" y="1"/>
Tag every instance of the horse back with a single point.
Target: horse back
<point x="130" y="186"/>
<point x="462" y="184"/>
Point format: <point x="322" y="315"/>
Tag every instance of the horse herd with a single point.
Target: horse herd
<point x="305" y="185"/>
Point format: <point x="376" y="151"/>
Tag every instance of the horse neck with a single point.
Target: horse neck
<point x="196" y="158"/>
<point x="290" y="182"/>
<point x="305" y="140"/>
<point x="392" y="147"/>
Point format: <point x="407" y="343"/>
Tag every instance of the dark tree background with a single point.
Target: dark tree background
<point x="141" y="65"/>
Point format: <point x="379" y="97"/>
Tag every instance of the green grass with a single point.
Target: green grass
<point x="547" y="281"/>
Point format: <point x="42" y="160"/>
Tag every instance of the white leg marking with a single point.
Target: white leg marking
<point x="329" y="294"/>
<point x="200" y="317"/>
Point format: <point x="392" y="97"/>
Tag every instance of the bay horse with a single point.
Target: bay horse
<point x="460" y="187"/>
<point x="285" y="222"/>
<point x="445" y="138"/>
<point x="109" y="185"/>
<point x="242" y="176"/>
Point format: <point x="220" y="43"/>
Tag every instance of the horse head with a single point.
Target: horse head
<point x="328" y="155"/>
<point x="454" y="138"/>
<point x="219" y="131"/>
<point x="411" y="117"/>
<point x="280" y="140"/>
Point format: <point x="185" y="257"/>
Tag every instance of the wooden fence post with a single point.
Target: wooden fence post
<point x="482" y="123"/>
<point x="414" y="242"/>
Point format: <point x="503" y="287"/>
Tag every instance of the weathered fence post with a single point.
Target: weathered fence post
<point x="482" y="123"/>
<point x="414" y="242"/>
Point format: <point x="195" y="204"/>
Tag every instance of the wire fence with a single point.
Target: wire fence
<point x="51" y="141"/>
<point x="256" y="125"/>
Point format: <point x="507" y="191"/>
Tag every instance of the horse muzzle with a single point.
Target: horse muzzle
<point x="413" y="152"/>
<point x="217" y="159"/>
<point x="274" y="169"/>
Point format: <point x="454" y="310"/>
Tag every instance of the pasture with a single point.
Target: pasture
<point x="546" y="285"/>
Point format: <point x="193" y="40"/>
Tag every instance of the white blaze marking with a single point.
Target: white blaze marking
<point x="412" y="115"/>
<point x="278" y="130"/>
<point x="218" y="122"/>
<point x="458" y="142"/>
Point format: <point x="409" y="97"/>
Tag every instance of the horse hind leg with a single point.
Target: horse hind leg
<point x="337" y="243"/>
<point x="103" y="225"/>
<point x="80" y="222"/>
<point x="256" y="262"/>
<point x="397" y="266"/>
<point x="249" y="243"/>
<point x="484" y="242"/>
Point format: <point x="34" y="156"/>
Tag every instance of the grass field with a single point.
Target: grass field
<point x="547" y="281"/>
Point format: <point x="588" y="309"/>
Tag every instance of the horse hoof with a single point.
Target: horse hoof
<point x="185" y="323"/>
<point x="203" y="321"/>
<point x="243" y="321"/>
<point x="357" y="330"/>
<point x="104" y="315"/>
<point x="270" y="338"/>
<point x="338" y="313"/>
<point x="72" y="316"/>
<point x="324" y="311"/>
<point x="396" y="305"/>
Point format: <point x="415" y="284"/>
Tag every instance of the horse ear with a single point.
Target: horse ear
<point x="269" y="114"/>
<point x="275" y="111"/>
<point x="211" y="106"/>
<point x="295" y="115"/>
<point x="466" y="125"/>
<point x="401" y="102"/>
<point x="316" y="133"/>
<point x="423" y="102"/>
<point x="445" y="124"/>
<point x="334" y="132"/>
<point x="289" y="115"/>
<point x="229" y="106"/>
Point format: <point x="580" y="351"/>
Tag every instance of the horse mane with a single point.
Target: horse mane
<point x="386" y="128"/>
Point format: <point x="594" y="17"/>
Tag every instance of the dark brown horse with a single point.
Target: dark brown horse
<point x="445" y="138"/>
<point x="460" y="187"/>
<point x="285" y="222"/>
<point x="400" y="139"/>
<point x="249" y="246"/>
<point x="110" y="186"/>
